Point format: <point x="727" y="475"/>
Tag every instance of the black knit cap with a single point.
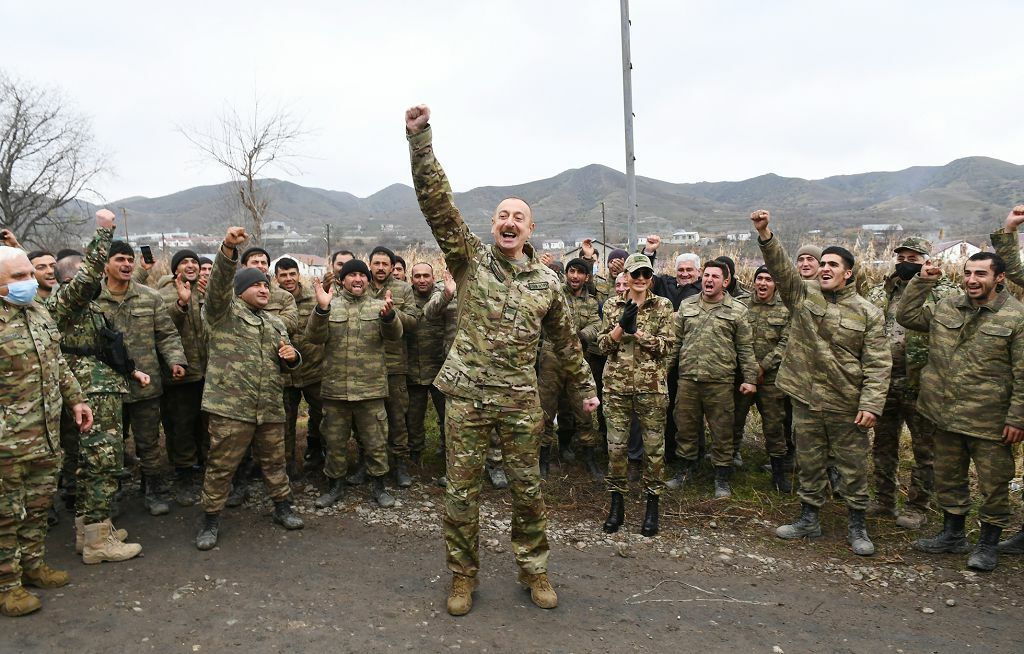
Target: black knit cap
<point x="353" y="266"/>
<point x="254" y="250"/>
<point x="180" y="256"/>
<point x="120" y="247"/>
<point x="582" y="265"/>
<point x="843" y="253"/>
<point x="246" y="277"/>
<point x="203" y="261"/>
<point x="762" y="269"/>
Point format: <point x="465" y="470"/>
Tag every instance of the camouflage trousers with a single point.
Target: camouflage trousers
<point x="900" y="407"/>
<point x="469" y="427"/>
<point x="26" y="494"/>
<point x="185" y="430"/>
<point x="101" y="452"/>
<point x="370" y="420"/>
<point x="229" y="439"/>
<point x="419" y="396"/>
<point x="597" y="362"/>
<point x="397" y="405"/>
<point x="292" y="397"/>
<point x="993" y="462"/>
<point x="771" y="404"/>
<point x="695" y="402"/>
<point x="557" y="396"/>
<point x="143" y="419"/>
<point x="650" y="410"/>
<point x="819" y="434"/>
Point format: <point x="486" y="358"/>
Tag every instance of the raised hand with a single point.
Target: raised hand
<point x="760" y="219"/>
<point x="1014" y="218"/>
<point x="587" y="250"/>
<point x="7" y="238"/>
<point x="235" y="237"/>
<point x="628" y="318"/>
<point x="416" y="118"/>
<point x="930" y="271"/>
<point x="287" y="352"/>
<point x="387" y="312"/>
<point x="653" y="243"/>
<point x="184" y="291"/>
<point x="546" y="258"/>
<point x="105" y="219"/>
<point x="201" y="285"/>
<point x="323" y="293"/>
<point x="449" y="285"/>
<point x="328" y="280"/>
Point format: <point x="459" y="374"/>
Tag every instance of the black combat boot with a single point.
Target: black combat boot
<point x="951" y="540"/>
<point x="184" y="487"/>
<point x="806" y="525"/>
<point x="545" y="460"/>
<point x="835" y="481"/>
<point x="335" y="491"/>
<point x="206" y="539"/>
<point x="154" y="497"/>
<point x="1014" y="544"/>
<point x="779" y="478"/>
<point x="986" y="552"/>
<point x="722" y="489"/>
<point x="590" y="462"/>
<point x="683" y="468"/>
<point x="402" y="478"/>
<point x="380" y="495"/>
<point x="616" y="514"/>
<point x="286" y="516"/>
<point x="857" y="533"/>
<point x="650" y="526"/>
<point x="313" y="459"/>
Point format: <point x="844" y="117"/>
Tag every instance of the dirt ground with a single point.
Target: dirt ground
<point x="358" y="578"/>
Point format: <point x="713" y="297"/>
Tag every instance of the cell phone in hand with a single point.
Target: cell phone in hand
<point x="147" y="253"/>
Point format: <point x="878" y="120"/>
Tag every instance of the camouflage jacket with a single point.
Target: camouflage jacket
<point x="243" y="372"/>
<point x="502" y="306"/>
<point x="34" y="382"/>
<point x="408" y="312"/>
<point x="973" y="382"/>
<point x="149" y="335"/>
<point x="425" y="346"/>
<point x="584" y="315"/>
<point x="837" y="359"/>
<point x="604" y="288"/>
<point x="638" y="363"/>
<point x="191" y="330"/>
<point x="909" y="347"/>
<point x="713" y="341"/>
<point x="282" y="305"/>
<point x="311" y="371"/>
<point x="1007" y="247"/>
<point x="769" y="328"/>
<point x="353" y="335"/>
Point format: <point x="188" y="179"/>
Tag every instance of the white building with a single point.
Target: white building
<point x="737" y="236"/>
<point x="683" y="237"/>
<point x="552" y="245"/>
<point x="958" y="250"/>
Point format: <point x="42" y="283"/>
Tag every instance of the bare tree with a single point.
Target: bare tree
<point x="47" y="160"/>
<point x="248" y="147"/>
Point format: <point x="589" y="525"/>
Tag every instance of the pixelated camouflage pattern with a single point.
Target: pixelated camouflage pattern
<point x="100" y="456"/>
<point x="650" y="410"/>
<point x="26" y="494"/>
<point x="713" y="341"/>
<point x="639" y="362"/>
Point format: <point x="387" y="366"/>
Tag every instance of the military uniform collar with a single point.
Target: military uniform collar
<point x="131" y="291"/>
<point x="841" y="294"/>
<point x="531" y="259"/>
<point x="994" y="306"/>
<point x="772" y="302"/>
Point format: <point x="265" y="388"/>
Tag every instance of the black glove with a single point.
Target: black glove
<point x="628" y="318"/>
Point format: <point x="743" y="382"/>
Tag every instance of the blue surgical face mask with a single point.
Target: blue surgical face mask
<point x="22" y="293"/>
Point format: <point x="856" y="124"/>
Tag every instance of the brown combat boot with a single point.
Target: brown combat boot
<point x="101" y="544"/>
<point x="18" y="601"/>
<point x="45" y="577"/>
<point x="460" y="597"/>
<point x="119" y="534"/>
<point x="541" y="592"/>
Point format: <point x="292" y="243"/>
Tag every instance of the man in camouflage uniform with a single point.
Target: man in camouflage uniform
<point x="768" y="319"/>
<point x="354" y="328"/>
<point x="426" y="352"/>
<point x="282" y="303"/>
<point x="637" y="337"/>
<point x="304" y="382"/>
<point x="34" y="382"/>
<point x="506" y="297"/>
<point x="712" y="343"/>
<point x="249" y="349"/>
<point x="836" y="371"/>
<point x="909" y="354"/>
<point x="972" y="391"/>
<point x="140" y="313"/>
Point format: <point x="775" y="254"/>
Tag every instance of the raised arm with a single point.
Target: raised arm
<point x="914" y="311"/>
<point x="787" y="280"/>
<point x="71" y="298"/>
<point x="1007" y="246"/>
<point x="220" y="289"/>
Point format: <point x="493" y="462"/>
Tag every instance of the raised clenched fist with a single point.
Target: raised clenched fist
<point x="1015" y="218"/>
<point x="416" y="118"/>
<point x="760" y="219"/>
<point x="235" y="237"/>
<point x="930" y="271"/>
<point x="653" y="243"/>
<point x="105" y="219"/>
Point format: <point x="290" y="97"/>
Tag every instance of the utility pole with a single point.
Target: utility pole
<point x="604" y="239"/>
<point x="627" y="110"/>
<point x="327" y="226"/>
<point x="127" y="234"/>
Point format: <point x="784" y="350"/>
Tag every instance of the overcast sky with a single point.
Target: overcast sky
<point x="523" y="90"/>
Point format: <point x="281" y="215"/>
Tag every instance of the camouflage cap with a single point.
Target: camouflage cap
<point x="636" y="262"/>
<point x="916" y="244"/>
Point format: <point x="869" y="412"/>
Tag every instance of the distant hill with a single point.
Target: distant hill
<point x="965" y="196"/>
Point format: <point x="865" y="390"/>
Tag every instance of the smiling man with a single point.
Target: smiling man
<point x="506" y="297"/>
<point x="44" y="265"/>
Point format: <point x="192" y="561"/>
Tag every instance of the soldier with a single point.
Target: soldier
<point x="44" y="265"/>
<point x="733" y="287"/>
<point x="353" y="329"/>
<point x="34" y="382"/>
<point x="426" y="352"/>
<point x="398" y="271"/>
<point x="205" y="268"/>
<point x="971" y="392"/>
<point x="304" y="382"/>
<point x="605" y="285"/>
<point x="141" y="315"/>
<point x="249" y="350"/>
<point x="637" y="337"/>
<point x="808" y="261"/>
<point x="768" y="319"/>
<point x="505" y="298"/>
<point x="281" y="304"/>
<point x="909" y="354"/>
<point x="712" y="343"/>
<point x="836" y="371"/>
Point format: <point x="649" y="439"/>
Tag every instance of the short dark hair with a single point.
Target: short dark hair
<point x="422" y="263"/>
<point x="285" y="263"/>
<point x="380" y="249"/>
<point x="516" y="197"/>
<point x="67" y="252"/>
<point x="253" y="251"/>
<point x="35" y="254"/>
<point x="721" y="265"/>
<point x="998" y="264"/>
<point x="399" y="259"/>
<point x="843" y="253"/>
<point x="334" y="257"/>
<point x="120" y="247"/>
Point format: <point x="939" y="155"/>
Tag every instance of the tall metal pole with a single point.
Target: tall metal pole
<point x="604" y="239"/>
<point x="627" y="111"/>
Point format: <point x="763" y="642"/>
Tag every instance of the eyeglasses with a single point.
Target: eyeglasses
<point x="646" y="273"/>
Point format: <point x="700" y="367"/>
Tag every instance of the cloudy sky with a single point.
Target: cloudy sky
<point x="523" y="90"/>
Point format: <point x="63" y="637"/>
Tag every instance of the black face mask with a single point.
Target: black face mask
<point x="906" y="270"/>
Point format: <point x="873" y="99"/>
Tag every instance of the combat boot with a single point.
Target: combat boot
<point x="590" y="462"/>
<point x="335" y="491"/>
<point x="497" y="476"/>
<point x="951" y="540"/>
<point x="402" y="478"/>
<point x="616" y="514"/>
<point x="102" y="545"/>
<point x="835" y="481"/>
<point x="912" y="518"/>
<point x="857" y="533"/>
<point x="313" y="459"/>
<point x="381" y="496"/>
<point x="882" y="508"/>
<point x="737" y="459"/>
<point x="43" y="576"/>
<point x="986" y="552"/>
<point x="779" y="478"/>
<point x="566" y="455"/>
<point x="286" y="516"/>
<point x="17" y="602"/>
<point x="722" y="489"/>
<point x="119" y="534"/>
<point x="206" y="539"/>
<point x="650" y="526"/>
<point x="1014" y="544"/>
<point x="358" y="477"/>
<point x="545" y="460"/>
<point x="541" y="592"/>
<point x="460" y="597"/>
<point x="806" y="525"/>
<point x="154" y="500"/>
<point x="239" y="491"/>
<point x="184" y="487"/>
<point x="683" y="469"/>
